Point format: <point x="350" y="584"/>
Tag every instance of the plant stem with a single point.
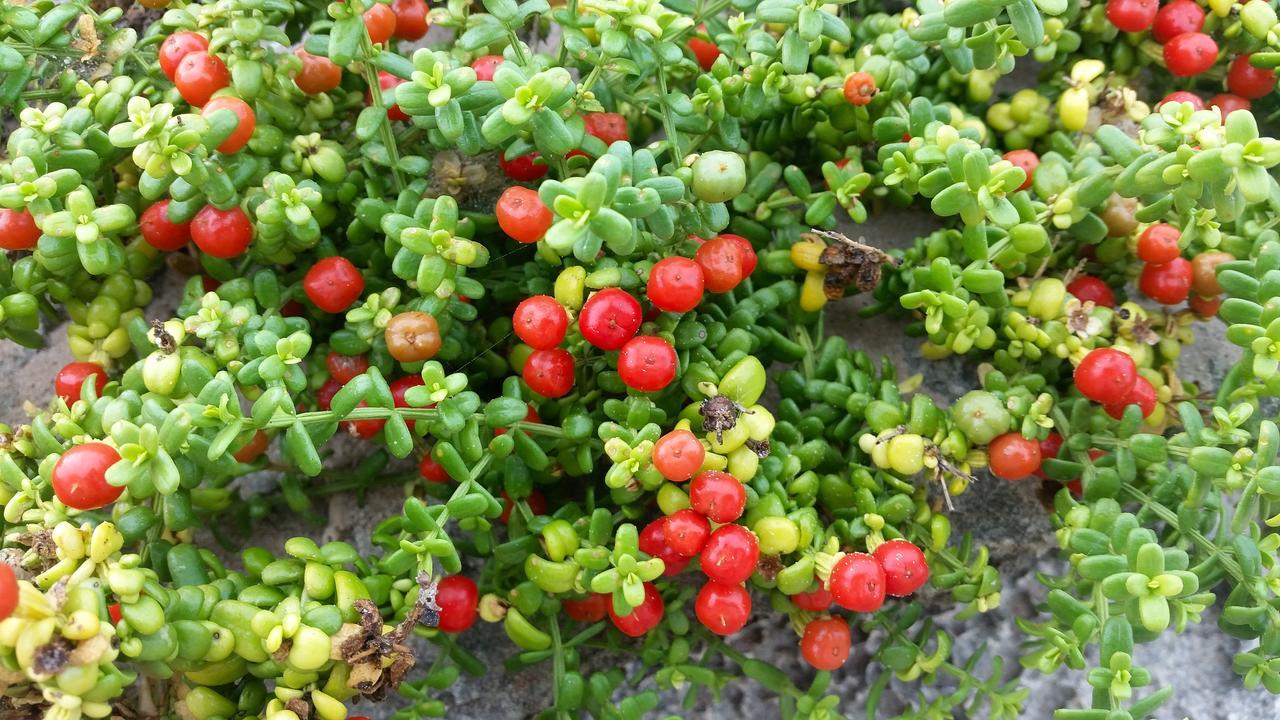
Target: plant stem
<point x="669" y="120"/>
<point x="375" y="99"/>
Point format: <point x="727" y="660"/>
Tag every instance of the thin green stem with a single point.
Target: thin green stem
<point x="384" y="124"/>
<point x="669" y="120"/>
<point x="409" y="414"/>
<point x="522" y="57"/>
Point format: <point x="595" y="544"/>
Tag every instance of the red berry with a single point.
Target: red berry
<point x="1105" y="373"/>
<point x="1190" y="54"/>
<point x="905" y="568"/>
<point x="1027" y="160"/>
<point x="678" y="455"/>
<point x="704" y="51"/>
<point x="1132" y="15"/>
<point x="653" y="541"/>
<point x="1088" y="288"/>
<point x="730" y="555"/>
<point x="246" y="121"/>
<point x="1179" y="16"/>
<point x="71" y="377"/>
<point x="344" y="368"/>
<point x="647" y="363"/>
<point x="718" y="495"/>
<point x="591" y="609"/>
<point x="333" y="284"/>
<point x="222" y="233"/>
<point x="411" y="19"/>
<point x="549" y="372"/>
<point x="1228" y="103"/>
<point x="1248" y="81"/>
<point x="1204" y="307"/>
<point x="318" y="74"/>
<point x="610" y="318"/>
<point x="523" y="168"/>
<point x="177" y="46"/>
<point x="859" y="88"/>
<point x="1168" y="283"/>
<point x="18" y="230"/>
<point x="199" y="76"/>
<point x="380" y="22"/>
<point x="722" y="264"/>
<point x="1049" y="449"/>
<point x="387" y="81"/>
<point x="857" y="583"/>
<point x="686" y="532"/>
<point x="522" y="215"/>
<point x="1143" y="395"/>
<point x="485" y="66"/>
<point x="432" y="471"/>
<point x="536" y="501"/>
<point x="159" y="232"/>
<point x="675" y="284"/>
<point x="253" y="449"/>
<point x="642" y="618"/>
<point x="609" y="127"/>
<point x="816" y="600"/>
<point x="747" y="253"/>
<point x="723" y="609"/>
<point x="540" y="322"/>
<point x="80" y="476"/>
<point x="8" y="591"/>
<point x="1159" y="243"/>
<point x="826" y="643"/>
<point x="1013" y="457"/>
<point x="457" y="596"/>
<point x="1181" y="96"/>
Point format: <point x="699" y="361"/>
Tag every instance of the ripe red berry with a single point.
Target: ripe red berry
<point x="71" y="377"/>
<point x="1027" y="160"/>
<point x="222" y="233"/>
<point x="411" y="19"/>
<point x="380" y="22"/>
<point x="591" y="609"/>
<point x="344" y="368"/>
<point x="1132" y="15"/>
<point x="1049" y="449"/>
<point x="1143" y="395"/>
<point x="159" y="232"/>
<point x="723" y="609"/>
<point x="905" y="567"/>
<point x="859" y="88"/>
<point x="333" y="283"/>
<point x="80" y="476"/>
<point x="704" y="51"/>
<point x="678" y="455"/>
<point x="549" y="372"/>
<point x="675" y="284"/>
<point x="177" y="46"/>
<point x="1104" y="374"/>
<point x="1168" y="283"/>
<point x="485" y="66"/>
<point x="1190" y="54"/>
<point x="457" y="596"/>
<point x="1179" y="16"/>
<point x="1013" y="457"/>
<point x="522" y="215"/>
<point x="246" y="121"/>
<point x="536" y="501"/>
<point x="647" y="363"/>
<point x="1181" y="96"/>
<point x="1088" y="288"/>
<point x="253" y="449"/>
<point x="610" y="318"/>
<point x="199" y="76"/>
<point x="747" y="253"/>
<point x="540" y="322"/>
<point x="609" y="127"/>
<point x="18" y="230"/>
<point x="1159" y="243"/>
<point x="857" y="583"/>
<point x="687" y="532"/>
<point x="653" y="541"/>
<point x="718" y="495"/>
<point x="731" y="554"/>
<point x="318" y="74"/>
<point x="1228" y="103"/>
<point x="826" y="643"/>
<point x="388" y="82"/>
<point x="815" y="600"/>
<point x="1204" y="307"/>
<point x="1248" y="81"/>
<point x="721" y="259"/>
<point x="523" y="168"/>
<point x="642" y="618"/>
<point x="8" y="591"/>
<point x="432" y="471"/>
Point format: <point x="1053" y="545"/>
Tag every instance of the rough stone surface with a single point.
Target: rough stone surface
<point x="1007" y="517"/>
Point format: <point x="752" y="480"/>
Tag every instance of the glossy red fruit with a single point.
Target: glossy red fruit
<point x="8" y="591"/>
<point x="1013" y="457"/>
<point x="1204" y="307"/>
<point x="609" y="127"/>
<point x="1181" y="96"/>
<point x="1143" y="395"/>
<point x="731" y="554"/>
<point x="522" y="215"/>
<point x="333" y="283"/>
<point x="1168" y="283"/>
<point x="1159" y="243"/>
<point x="1049" y="449"/>
<point x="1087" y="288"/>
<point x="1105" y="374"/>
<point x="610" y="318"/>
<point x="704" y="51"/>
<point x="1190" y="54"/>
<point x="1228" y="103"/>
<point x="540" y="322"/>
<point x="826" y="643"/>
<point x="80" y="476"/>
<point x="18" y="230"/>
<point x="70" y="379"/>
<point x="859" y="88"/>
<point x="380" y="22"/>
<point x="653" y="541"/>
<point x="905" y="568"/>
<point x="721" y="259"/>
<point x="722" y="609"/>
<point x="642" y="618"/>
<point x="1248" y="81"/>
<point x="318" y="74"/>
<point x="1132" y="15"/>
<point x="524" y="168"/>
<point x="747" y="253"/>
<point x="647" y="363"/>
<point x="253" y="449"/>
<point x="246" y="121"/>
<point x="485" y="66"/>
<point x="1179" y="16"/>
<point x="687" y="532"/>
<point x="678" y="455"/>
<point x="177" y="46"/>
<point x="591" y="609"/>
<point x="457" y="596"/>
<point x="1027" y="160"/>
<point x="549" y="372"/>
<point x="411" y="19"/>
<point x="199" y="76"/>
<point x="387" y="83"/>
<point x="344" y="368"/>
<point x="222" y="233"/>
<point x="432" y="471"/>
<point x="816" y="600"/>
<point x="718" y="495"/>
<point x="536" y="501"/>
<point x="675" y="284"/>
<point x="857" y="583"/>
<point x="159" y="232"/>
